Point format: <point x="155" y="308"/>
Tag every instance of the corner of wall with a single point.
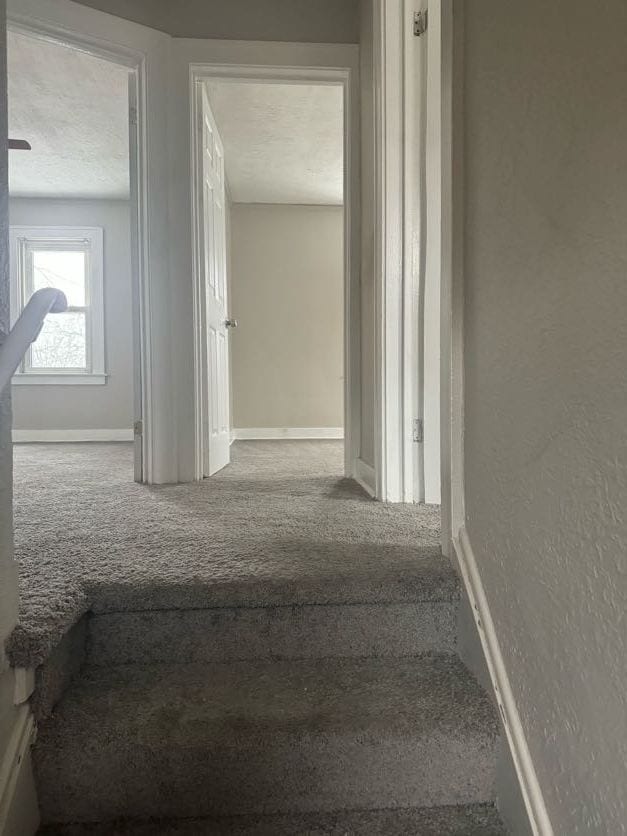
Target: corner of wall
<point x="509" y="798"/>
<point x="19" y="812"/>
<point x="519" y="795"/>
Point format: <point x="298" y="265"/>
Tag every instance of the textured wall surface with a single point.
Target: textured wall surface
<point x="87" y="407"/>
<point x="287" y="294"/>
<point x="269" y="130"/>
<point x="72" y="107"/>
<point x="546" y="401"/>
<point x="309" y="21"/>
<point x="8" y="586"/>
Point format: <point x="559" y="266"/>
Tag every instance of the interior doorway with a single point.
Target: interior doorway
<point x="271" y="261"/>
<point x="75" y="225"/>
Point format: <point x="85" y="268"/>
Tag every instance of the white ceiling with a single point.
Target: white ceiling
<point x="283" y="143"/>
<point x="73" y="109"/>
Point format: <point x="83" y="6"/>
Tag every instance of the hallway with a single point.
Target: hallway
<point x="279" y="526"/>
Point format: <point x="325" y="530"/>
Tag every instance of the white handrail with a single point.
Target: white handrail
<point x="27" y="328"/>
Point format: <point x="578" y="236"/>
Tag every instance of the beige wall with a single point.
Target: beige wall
<point x="313" y="21"/>
<point x="287" y="295"/>
<point x="87" y="407"/>
<point x="545" y="396"/>
<point x="366" y="447"/>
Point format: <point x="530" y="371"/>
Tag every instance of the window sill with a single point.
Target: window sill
<point x="59" y="379"/>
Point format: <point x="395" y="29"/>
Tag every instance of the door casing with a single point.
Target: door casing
<point x="63" y="24"/>
<point x="347" y="78"/>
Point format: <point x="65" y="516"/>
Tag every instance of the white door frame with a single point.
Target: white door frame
<point x="412" y="317"/>
<point x="399" y="460"/>
<point x="314" y="65"/>
<point x="143" y="51"/>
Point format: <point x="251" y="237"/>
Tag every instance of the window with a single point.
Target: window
<point x="70" y="346"/>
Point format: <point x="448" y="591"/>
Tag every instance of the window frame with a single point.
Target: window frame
<point x="81" y="239"/>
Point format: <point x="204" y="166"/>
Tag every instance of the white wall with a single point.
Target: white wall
<point x="366" y="445"/>
<point x="313" y="21"/>
<point x="287" y="286"/>
<point x="433" y="259"/>
<point x="18" y="809"/>
<point x="8" y="584"/>
<point x="545" y="397"/>
<point x="87" y="407"/>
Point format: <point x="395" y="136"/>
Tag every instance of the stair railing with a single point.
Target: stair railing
<point x="27" y="328"/>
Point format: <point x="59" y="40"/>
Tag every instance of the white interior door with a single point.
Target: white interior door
<point x="216" y="423"/>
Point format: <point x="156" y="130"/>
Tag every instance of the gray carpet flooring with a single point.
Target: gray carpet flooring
<point x="278" y="526"/>
<point x="472" y="820"/>
<point x="267" y="738"/>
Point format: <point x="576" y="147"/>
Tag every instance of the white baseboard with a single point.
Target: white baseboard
<point x="294" y="433"/>
<point x="51" y="436"/>
<point x="18" y="803"/>
<point x="523" y="764"/>
<point x="366" y="477"/>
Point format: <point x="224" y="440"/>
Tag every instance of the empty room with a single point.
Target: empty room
<point x="276" y="365"/>
<point x="70" y="230"/>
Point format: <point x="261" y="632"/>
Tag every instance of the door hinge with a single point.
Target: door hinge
<point x="418" y="433"/>
<point x="138" y="427"/>
<point x="421" y="20"/>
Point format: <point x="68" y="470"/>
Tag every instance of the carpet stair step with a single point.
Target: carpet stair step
<point x="468" y="820"/>
<point x="191" y="636"/>
<point x="267" y="738"/>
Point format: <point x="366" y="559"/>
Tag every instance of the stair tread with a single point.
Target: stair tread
<point x="410" y="696"/>
<point x="463" y="820"/>
<point x="278" y="527"/>
<point x="264" y="737"/>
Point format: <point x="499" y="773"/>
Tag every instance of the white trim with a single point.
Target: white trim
<point x="525" y="770"/>
<point x="24" y="685"/>
<point x="54" y="379"/>
<point x="366" y="476"/>
<point x="269" y="433"/>
<point x="87" y="239"/>
<point x="15" y="757"/>
<point x="267" y="62"/>
<point x="388" y="70"/>
<point x="399" y="251"/>
<point x="54" y="436"/>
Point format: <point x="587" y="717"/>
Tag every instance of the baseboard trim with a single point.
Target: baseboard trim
<point x="15" y="756"/>
<point x="289" y="433"/>
<point x="364" y="474"/>
<point x="523" y="763"/>
<point x="52" y="436"/>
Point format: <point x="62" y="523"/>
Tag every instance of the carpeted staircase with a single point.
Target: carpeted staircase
<point x="333" y="706"/>
<point x="329" y="718"/>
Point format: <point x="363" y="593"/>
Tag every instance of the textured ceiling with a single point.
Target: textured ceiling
<point x="283" y="143"/>
<point x="73" y="109"/>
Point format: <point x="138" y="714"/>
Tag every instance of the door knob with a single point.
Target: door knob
<point x="230" y="323"/>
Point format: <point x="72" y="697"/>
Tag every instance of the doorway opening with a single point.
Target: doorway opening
<point x="74" y="226"/>
<point x="272" y="264"/>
